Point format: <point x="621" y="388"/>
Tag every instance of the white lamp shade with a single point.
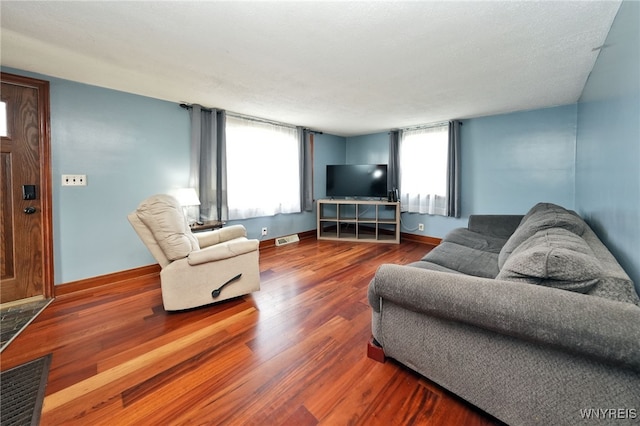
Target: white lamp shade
<point x="186" y="196"/>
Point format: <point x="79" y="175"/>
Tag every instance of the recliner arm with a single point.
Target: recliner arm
<point x="217" y="236"/>
<point x="222" y="251"/>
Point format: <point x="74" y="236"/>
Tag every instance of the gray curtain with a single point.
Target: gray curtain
<point x="306" y="170"/>
<point x="393" y="176"/>
<point x="453" y="170"/>
<point x="208" y="171"/>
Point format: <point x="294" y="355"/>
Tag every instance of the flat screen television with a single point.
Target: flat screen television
<point x="357" y="180"/>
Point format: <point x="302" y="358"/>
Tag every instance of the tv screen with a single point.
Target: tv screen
<point x="357" y="180"/>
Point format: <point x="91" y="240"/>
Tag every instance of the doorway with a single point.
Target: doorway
<point x="26" y="235"/>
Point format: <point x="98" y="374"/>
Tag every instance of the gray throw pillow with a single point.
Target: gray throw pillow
<point x="541" y="216"/>
<point x="554" y="258"/>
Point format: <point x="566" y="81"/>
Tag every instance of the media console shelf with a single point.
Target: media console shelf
<point x="359" y="220"/>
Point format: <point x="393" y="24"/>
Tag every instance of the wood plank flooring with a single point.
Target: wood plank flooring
<point x="292" y="354"/>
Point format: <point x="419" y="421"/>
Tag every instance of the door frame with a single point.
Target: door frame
<point x="42" y="86"/>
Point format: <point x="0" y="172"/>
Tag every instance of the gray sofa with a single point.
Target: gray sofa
<point x="530" y="318"/>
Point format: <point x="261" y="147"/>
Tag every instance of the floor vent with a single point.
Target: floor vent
<point x="280" y="241"/>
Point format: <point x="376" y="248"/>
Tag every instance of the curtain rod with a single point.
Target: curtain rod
<point x="259" y="120"/>
<point x="267" y="121"/>
<point x="187" y="106"/>
<point x="252" y="118"/>
<point x="277" y="123"/>
<point x="425" y="126"/>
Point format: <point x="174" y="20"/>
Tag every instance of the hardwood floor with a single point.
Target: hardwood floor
<point x="292" y="354"/>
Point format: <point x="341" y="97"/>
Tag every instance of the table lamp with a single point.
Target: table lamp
<point x="187" y="197"/>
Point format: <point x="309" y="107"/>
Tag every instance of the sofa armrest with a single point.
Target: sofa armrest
<point x="574" y="322"/>
<point x="217" y="236"/>
<point x="222" y="251"/>
<point x="501" y="226"/>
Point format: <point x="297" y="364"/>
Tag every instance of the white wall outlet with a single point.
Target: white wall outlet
<point x="421" y="227"/>
<point x="74" y="180"/>
<point x="264" y="231"/>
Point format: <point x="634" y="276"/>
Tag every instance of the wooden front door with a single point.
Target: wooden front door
<point x="26" y="252"/>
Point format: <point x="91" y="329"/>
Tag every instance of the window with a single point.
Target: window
<point x="263" y="168"/>
<point x="423" y="169"/>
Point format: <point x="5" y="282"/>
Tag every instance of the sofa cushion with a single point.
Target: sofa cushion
<point x="556" y="258"/>
<point x="466" y="260"/>
<point x="162" y="214"/>
<point x="476" y="240"/>
<point x="541" y="216"/>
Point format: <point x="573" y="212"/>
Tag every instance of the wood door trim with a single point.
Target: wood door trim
<point x="44" y="114"/>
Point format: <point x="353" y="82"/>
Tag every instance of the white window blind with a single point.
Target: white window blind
<point x="423" y="169"/>
<point x="263" y="168"/>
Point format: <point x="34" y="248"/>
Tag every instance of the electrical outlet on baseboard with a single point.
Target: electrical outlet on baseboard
<point x="264" y="231"/>
<point x="421" y="227"/>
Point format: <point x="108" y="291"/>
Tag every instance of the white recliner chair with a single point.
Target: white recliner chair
<point x="197" y="269"/>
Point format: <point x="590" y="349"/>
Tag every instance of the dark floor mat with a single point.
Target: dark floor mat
<point x="14" y="319"/>
<point x="22" y="392"/>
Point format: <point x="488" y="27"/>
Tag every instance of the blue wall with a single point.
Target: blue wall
<point x="368" y="149"/>
<point x="608" y="142"/>
<point x="130" y="147"/>
<point x="328" y="149"/>
<point x="509" y="163"/>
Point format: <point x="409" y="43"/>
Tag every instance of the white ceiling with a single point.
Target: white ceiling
<point x="345" y="68"/>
